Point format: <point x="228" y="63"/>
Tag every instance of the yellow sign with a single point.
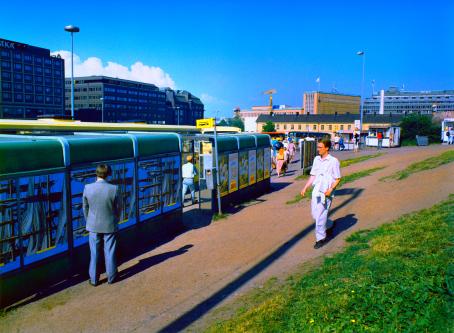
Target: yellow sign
<point x="205" y="123"/>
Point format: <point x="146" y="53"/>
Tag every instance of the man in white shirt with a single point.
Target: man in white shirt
<point x="325" y="176"/>
<point x="189" y="172"/>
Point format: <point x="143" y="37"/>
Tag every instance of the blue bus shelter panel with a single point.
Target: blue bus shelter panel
<point x="171" y="185"/>
<point x="149" y="188"/>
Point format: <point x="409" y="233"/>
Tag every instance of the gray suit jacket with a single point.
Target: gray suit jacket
<point x="101" y="207"/>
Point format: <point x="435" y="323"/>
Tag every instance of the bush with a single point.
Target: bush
<point x="416" y="124"/>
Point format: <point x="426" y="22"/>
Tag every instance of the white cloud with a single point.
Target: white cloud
<point x="136" y="72"/>
<point x="208" y="99"/>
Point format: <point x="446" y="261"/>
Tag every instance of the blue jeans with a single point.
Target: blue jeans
<point x="110" y="245"/>
<point x="189" y="183"/>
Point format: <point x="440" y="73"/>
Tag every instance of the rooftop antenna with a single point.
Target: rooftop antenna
<point x="270" y="92"/>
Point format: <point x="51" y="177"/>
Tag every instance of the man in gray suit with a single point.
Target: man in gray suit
<point x="101" y="211"/>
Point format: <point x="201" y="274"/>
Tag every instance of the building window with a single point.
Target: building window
<point x="6" y="76"/>
<point x="5" y="54"/>
<point x="38" y="89"/>
<point x="277" y="126"/>
<point x="18" y="97"/>
<point x="341" y="127"/>
<point x="29" y="98"/>
<point x="314" y="127"/>
<point x="28" y="58"/>
<point x="292" y="126"/>
<point x="6" y="97"/>
<point x="18" y="86"/>
<point x="330" y="127"/>
<point x="322" y="127"/>
<point x="285" y="126"/>
<point x="28" y="68"/>
<point x="17" y="66"/>
<point x="38" y="70"/>
<point x="299" y="126"/>
<point x="39" y="79"/>
<point x="28" y="88"/>
<point x="6" y="65"/>
<point x="349" y="127"/>
<point x="6" y="86"/>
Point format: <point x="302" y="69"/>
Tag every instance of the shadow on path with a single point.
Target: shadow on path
<point x="341" y="224"/>
<point x="353" y="192"/>
<point x="146" y="263"/>
<point x="202" y="308"/>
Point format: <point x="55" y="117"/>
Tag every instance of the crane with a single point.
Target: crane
<point x="270" y="92"/>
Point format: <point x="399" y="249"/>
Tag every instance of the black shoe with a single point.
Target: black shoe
<point x="320" y="243"/>
<point x="93" y="284"/>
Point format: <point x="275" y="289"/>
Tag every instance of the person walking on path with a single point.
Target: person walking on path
<point x="280" y="159"/>
<point x="101" y="207"/>
<point x="189" y="172"/>
<point x="291" y="150"/>
<point x="356" y="141"/>
<point x="325" y="176"/>
<point x="336" y="142"/>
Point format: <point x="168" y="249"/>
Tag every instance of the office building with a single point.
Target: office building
<point x="102" y="98"/>
<point x="330" y="103"/>
<point x="397" y="101"/>
<point x="32" y="81"/>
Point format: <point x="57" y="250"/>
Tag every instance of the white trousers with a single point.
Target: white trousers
<point x="320" y="215"/>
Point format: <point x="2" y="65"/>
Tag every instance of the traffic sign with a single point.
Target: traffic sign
<point x="205" y="123"/>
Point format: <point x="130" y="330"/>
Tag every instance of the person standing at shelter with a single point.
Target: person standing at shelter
<point x="189" y="172"/>
<point x="336" y="142"/>
<point x="379" y="140"/>
<point x="356" y="141"/>
<point x="101" y="207"/>
<point x="325" y="176"/>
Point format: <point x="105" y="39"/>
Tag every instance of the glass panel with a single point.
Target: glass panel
<point x="171" y="194"/>
<point x="42" y="216"/>
<point x="9" y="227"/>
<point x="149" y="186"/>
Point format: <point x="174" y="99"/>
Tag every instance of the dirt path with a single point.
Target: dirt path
<point x="177" y="285"/>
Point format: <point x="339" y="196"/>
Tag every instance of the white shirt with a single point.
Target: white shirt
<point x="188" y="170"/>
<point x="326" y="171"/>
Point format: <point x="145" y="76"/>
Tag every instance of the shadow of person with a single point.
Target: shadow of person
<point x="146" y="263"/>
<point x="341" y="224"/>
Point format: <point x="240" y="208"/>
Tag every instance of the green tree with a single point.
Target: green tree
<point x="416" y="124"/>
<point x="268" y="127"/>
<point x="223" y="122"/>
<point x="237" y="122"/>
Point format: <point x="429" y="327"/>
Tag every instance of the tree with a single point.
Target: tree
<point x="237" y="122"/>
<point x="416" y="124"/>
<point x="268" y="127"/>
<point x="223" y="122"/>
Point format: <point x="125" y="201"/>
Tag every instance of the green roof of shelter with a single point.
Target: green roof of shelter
<point x="26" y="154"/>
<point x="263" y="140"/>
<point x="227" y="143"/>
<point x="246" y="141"/>
<point x="94" y="148"/>
<point x="157" y="143"/>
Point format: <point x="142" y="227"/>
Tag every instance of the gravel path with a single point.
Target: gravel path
<point x="177" y="285"/>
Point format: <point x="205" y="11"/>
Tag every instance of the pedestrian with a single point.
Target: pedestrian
<point x="325" y="176"/>
<point x="341" y="143"/>
<point x="379" y="140"/>
<point x="451" y="137"/>
<point x="336" y="142"/>
<point x="291" y="150"/>
<point x="101" y="207"/>
<point x="356" y="141"/>
<point x="189" y="171"/>
<point x="280" y="158"/>
<point x="391" y="138"/>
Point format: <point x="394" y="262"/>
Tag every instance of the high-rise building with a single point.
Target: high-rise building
<point x="397" y="101"/>
<point x="102" y="98"/>
<point x="330" y="103"/>
<point x="32" y="81"/>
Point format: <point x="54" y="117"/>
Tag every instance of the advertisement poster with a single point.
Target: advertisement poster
<point x="244" y="181"/>
<point x="223" y="174"/>
<point x="233" y="172"/>
<point x="266" y="162"/>
<point x="259" y="160"/>
<point x="252" y="166"/>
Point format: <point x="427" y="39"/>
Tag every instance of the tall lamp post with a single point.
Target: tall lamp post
<point x="72" y="29"/>
<point x="178" y="114"/>
<point x="363" y="55"/>
<point x="102" y="109"/>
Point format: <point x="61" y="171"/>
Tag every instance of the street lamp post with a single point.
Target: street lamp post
<point x="363" y="54"/>
<point x="178" y="114"/>
<point x="102" y="109"/>
<point x="72" y="29"/>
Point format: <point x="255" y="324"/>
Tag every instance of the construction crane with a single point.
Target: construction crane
<point x="270" y="92"/>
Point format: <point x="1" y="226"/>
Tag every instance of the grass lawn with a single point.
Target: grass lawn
<point x="351" y="161"/>
<point x="429" y="163"/>
<point x="396" y="278"/>
<point x="346" y="179"/>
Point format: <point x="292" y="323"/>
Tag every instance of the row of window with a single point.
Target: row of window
<point x="26" y="57"/>
<point x="6" y="65"/>
<point x="29" y="78"/>
<point x="28" y="98"/>
<point x="29" y="88"/>
<point x="314" y="127"/>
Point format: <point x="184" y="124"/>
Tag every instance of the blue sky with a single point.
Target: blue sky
<point x="229" y="52"/>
